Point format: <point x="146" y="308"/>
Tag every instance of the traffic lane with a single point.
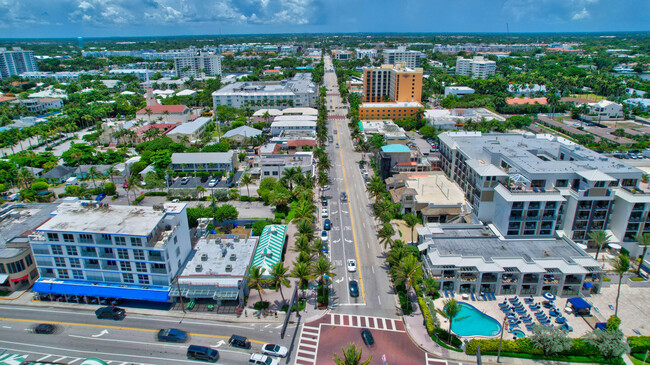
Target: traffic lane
<point x="397" y="346"/>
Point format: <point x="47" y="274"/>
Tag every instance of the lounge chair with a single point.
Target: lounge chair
<point x="636" y="331"/>
<point x="529" y="300"/>
<point x="611" y="307"/>
<point x="560" y="320"/>
<point x="471" y="294"/>
<point x="493" y="296"/>
<point x="452" y="293"/>
<point x="483" y="296"/>
<point x="446" y="294"/>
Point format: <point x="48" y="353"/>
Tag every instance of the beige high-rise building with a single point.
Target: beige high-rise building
<point x="393" y="82"/>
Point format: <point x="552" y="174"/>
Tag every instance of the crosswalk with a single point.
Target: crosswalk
<point x="308" y="345"/>
<point x="378" y="323"/>
<point x="431" y="360"/>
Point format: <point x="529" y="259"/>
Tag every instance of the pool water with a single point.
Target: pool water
<point x="472" y="322"/>
<point x="519" y="334"/>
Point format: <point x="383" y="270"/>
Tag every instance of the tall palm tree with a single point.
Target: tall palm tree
<point x="600" y="238"/>
<point x="324" y="163"/>
<point x="323" y="270"/>
<point x="409" y="271"/>
<point x="26" y="177"/>
<point x="621" y="265"/>
<point x="376" y="187"/>
<point x="93" y="172"/>
<point x="385" y="235"/>
<point x="323" y="178"/>
<point x="305" y="228"/>
<point x="256" y="280"/>
<point x="643" y="240"/>
<point x="451" y="309"/>
<point x="247" y="179"/>
<point x="411" y="221"/>
<point x="289" y="175"/>
<point x="134" y="185"/>
<point x="302" y="272"/>
<point x="304" y="211"/>
<point x="279" y="278"/>
<point x="302" y="244"/>
<point x="351" y="356"/>
<point x="112" y="172"/>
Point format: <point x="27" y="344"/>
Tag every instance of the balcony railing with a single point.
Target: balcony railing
<point x="159" y="271"/>
<point x="88" y="253"/>
<point x="107" y="254"/>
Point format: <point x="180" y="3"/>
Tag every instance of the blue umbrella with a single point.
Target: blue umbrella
<point x="549" y="296"/>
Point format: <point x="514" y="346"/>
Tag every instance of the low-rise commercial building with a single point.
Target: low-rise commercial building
<point x="270" y="248"/>
<point x="446" y="119"/>
<point x="204" y="162"/>
<point x="391" y="132"/>
<point x="164" y="113"/>
<point x="299" y="91"/>
<point x="293" y="123"/>
<point x="458" y="90"/>
<point x="189" y="132"/>
<point x="274" y="165"/>
<point x="398" y="158"/>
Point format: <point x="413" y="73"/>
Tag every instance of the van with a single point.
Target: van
<point x="202" y="353"/>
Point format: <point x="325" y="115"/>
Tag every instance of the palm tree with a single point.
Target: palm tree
<point x="246" y="179"/>
<point x="451" y="309"/>
<point x="323" y="270"/>
<point x="408" y="271"/>
<point x="289" y="175"/>
<point x="351" y="356"/>
<point x="255" y="279"/>
<point x="305" y="228"/>
<point x="301" y="272"/>
<point x="304" y="211"/>
<point x="411" y="221"/>
<point x="376" y="187"/>
<point x="600" y="238"/>
<point x="323" y="178"/>
<point x="134" y="185"/>
<point x="26" y="177"/>
<point x="279" y="278"/>
<point x="149" y="112"/>
<point x="302" y="244"/>
<point x="324" y="163"/>
<point x="112" y="172"/>
<point x="643" y="240"/>
<point x="92" y="172"/>
<point x="385" y="235"/>
<point x="621" y="265"/>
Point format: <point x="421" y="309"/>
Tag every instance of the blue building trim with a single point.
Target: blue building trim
<point x="119" y="291"/>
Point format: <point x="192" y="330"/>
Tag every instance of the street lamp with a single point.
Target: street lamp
<point x="503" y="329"/>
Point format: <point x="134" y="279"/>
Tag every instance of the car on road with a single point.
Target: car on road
<point x="367" y="337"/>
<point x="354" y="288"/>
<point x="323" y="201"/>
<point x="323" y="248"/>
<point x="259" y="359"/>
<point x="324" y="236"/>
<point x="326" y="187"/>
<point x="100" y="197"/>
<point x="344" y="197"/>
<point x="202" y="353"/>
<point x="324" y="213"/>
<point x="327" y="225"/>
<point x="352" y="265"/>
<point x="110" y="312"/>
<point x="274" y="350"/>
<point x="172" y="335"/>
<point x="239" y="341"/>
<point x="330" y="139"/>
<point x="212" y="183"/>
<point x="44" y="329"/>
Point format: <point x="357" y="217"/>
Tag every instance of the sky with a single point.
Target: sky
<point x="124" y="18"/>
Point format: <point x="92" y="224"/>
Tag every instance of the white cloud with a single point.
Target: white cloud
<point x="582" y="14"/>
<point x="555" y="11"/>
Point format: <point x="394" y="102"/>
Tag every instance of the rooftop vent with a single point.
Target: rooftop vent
<point x="224" y="251"/>
<point x="204" y="257"/>
<point x="233" y="257"/>
<point x="199" y="268"/>
<point x="217" y="240"/>
<point x="228" y="268"/>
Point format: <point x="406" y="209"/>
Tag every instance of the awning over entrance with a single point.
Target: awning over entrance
<point x="3" y="278"/>
<point x="15" y="280"/>
<point x="134" y="292"/>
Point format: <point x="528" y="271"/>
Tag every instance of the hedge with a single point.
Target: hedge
<point x="155" y="193"/>
<point x="426" y="313"/>
<point x="639" y="343"/>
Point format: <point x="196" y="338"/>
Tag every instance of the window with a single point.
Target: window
<point x="16" y="266"/>
<point x="120" y="241"/>
<point x="52" y="236"/>
<point x="178" y="251"/>
<point x="128" y="278"/>
<point x="161" y="267"/>
<point x="111" y="263"/>
<point x="2" y="269"/>
<point x="140" y="267"/>
<point x="59" y="261"/>
<point x="77" y="274"/>
<point x="57" y="250"/>
<point x="67" y="237"/>
<point x="125" y="266"/>
<point x="28" y="260"/>
<point x="86" y="238"/>
<point x="175" y="239"/>
<point x="138" y="254"/>
<point x="122" y="254"/>
<point x="72" y="250"/>
<point x="63" y="274"/>
<point x="108" y="251"/>
<point x="143" y="279"/>
<point x="136" y="241"/>
<point x="106" y="237"/>
<point x="74" y="262"/>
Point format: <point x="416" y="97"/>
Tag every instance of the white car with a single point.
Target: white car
<point x="212" y="183"/>
<point x="352" y="265"/>
<point x="274" y="350"/>
<point x="324" y="236"/>
<point x="259" y="359"/>
<point x="325" y="213"/>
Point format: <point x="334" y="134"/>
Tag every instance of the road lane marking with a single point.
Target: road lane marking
<point x="117" y="328"/>
<point x="373" y="268"/>
<point x="43" y="358"/>
<point x="127" y="341"/>
<point x="379" y="299"/>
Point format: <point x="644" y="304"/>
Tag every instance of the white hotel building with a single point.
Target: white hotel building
<point x="112" y="251"/>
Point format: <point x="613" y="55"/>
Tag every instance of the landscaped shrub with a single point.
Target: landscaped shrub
<point x="261" y="305"/>
<point x="525" y="346"/>
<point x="639" y="343"/>
<point x="155" y="193"/>
<point x="444" y="336"/>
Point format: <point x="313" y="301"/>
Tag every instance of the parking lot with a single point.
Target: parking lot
<point x="193" y="182"/>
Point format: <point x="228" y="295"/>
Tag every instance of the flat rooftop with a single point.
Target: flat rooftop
<point x="435" y="188"/>
<point x="214" y="255"/>
<point x="22" y="219"/>
<point x="86" y="217"/>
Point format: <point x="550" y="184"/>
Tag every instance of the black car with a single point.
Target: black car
<point x="344" y="197"/>
<point x="239" y="341"/>
<point x="110" y="313"/>
<point x="367" y="337"/>
<point x="323" y="201"/>
<point x="44" y="329"/>
<point x="354" y="288"/>
<point x="172" y="335"/>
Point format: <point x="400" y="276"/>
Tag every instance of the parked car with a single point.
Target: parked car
<point x="352" y="265"/>
<point x="212" y="183"/>
<point x="325" y="213"/>
<point x="323" y="201"/>
<point x="44" y="329"/>
<point x="367" y="337"/>
<point x="327" y="225"/>
<point x="274" y="350"/>
<point x="172" y="335"/>
<point x="354" y="288"/>
<point x="239" y="341"/>
<point x="185" y="180"/>
<point x="259" y="359"/>
<point x="110" y="313"/>
<point x="324" y="236"/>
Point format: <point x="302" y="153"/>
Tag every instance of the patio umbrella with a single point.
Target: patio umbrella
<point x="549" y="296"/>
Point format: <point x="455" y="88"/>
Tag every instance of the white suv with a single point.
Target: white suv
<point x="259" y="359"/>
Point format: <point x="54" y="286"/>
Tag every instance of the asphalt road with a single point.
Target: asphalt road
<point x="132" y="340"/>
<point x="353" y="234"/>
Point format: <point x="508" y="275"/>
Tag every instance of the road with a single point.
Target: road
<point x="132" y="340"/>
<point x="353" y="227"/>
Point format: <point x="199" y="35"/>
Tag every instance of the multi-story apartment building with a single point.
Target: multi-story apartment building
<point x="342" y="54"/>
<point x="402" y="55"/>
<point x="394" y="111"/>
<point x="395" y="82"/>
<point x="299" y="91"/>
<point x="203" y="64"/>
<point x="534" y="185"/>
<point x="477" y="68"/>
<point x="371" y="53"/>
<point x="111" y="251"/>
<point x="16" y="62"/>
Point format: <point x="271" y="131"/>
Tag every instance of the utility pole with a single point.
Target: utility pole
<point x="503" y="329"/>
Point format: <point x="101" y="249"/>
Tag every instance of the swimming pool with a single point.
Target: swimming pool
<point x="472" y="322"/>
<point x="519" y="334"/>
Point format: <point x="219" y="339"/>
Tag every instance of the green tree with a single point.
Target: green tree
<point x="246" y="180"/>
<point x="290" y="175"/>
<point x="302" y="272"/>
<point x="93" y="173"/>
<point x="621" y="265"/>
<point x="551" y="340"/>
<point x="411" y="221"/>
<point x="610" y="343"/>
<point x="280" y="278"/>
<point x="643" y="240"/>
<point x="351" y="356"/>
<point x="305" y="228"/>
<point x="451" y="309"/>
<point x="226" y="212"/>
<point x="256" y="280"/>
<point x="385" y="235"/>
<point x="323" y="269"/>
<point x="600" y="238"/>
<point x="613" y="323"/>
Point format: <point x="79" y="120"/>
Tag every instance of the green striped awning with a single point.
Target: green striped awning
<point x="269" y="248"/>
<point x="12" y="359"/>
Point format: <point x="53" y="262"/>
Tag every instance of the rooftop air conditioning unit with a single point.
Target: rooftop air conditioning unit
<point x="228" y="268"/>
<point x="199" y="268"/>
<point x="233" y="257"/>
<point x="204" y="257"/>
<point x="217" y="240"/>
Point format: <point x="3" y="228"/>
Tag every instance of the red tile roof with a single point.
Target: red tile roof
<point x="524" y="101"/>
<point x="301" y="142"/>
<point x="4" y="99"/>
<point x="159" y="109"/>
<point x="166" y="127"/>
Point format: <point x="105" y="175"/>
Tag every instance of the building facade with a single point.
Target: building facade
<point x="300" y="91"/>
<point x="390" y="110"/>
<point x="477" y="68"/>
<point x="110" y="250"/>
<point x="204" y="162"/>
<point x="402" y="55"/>
<point x="201" y="65"/>
<point x="274" y="165"/>
<point x="396" y="83"/>
<point x="16" y="62"/>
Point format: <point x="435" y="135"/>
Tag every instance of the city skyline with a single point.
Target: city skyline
<point x="117" y="18"/>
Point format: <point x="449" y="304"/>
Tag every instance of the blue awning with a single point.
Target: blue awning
<point x="587" y="285"/>
<point x="579" y="303"/>
<point x="133" y="292"/>
<point x="601" y="326"/>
